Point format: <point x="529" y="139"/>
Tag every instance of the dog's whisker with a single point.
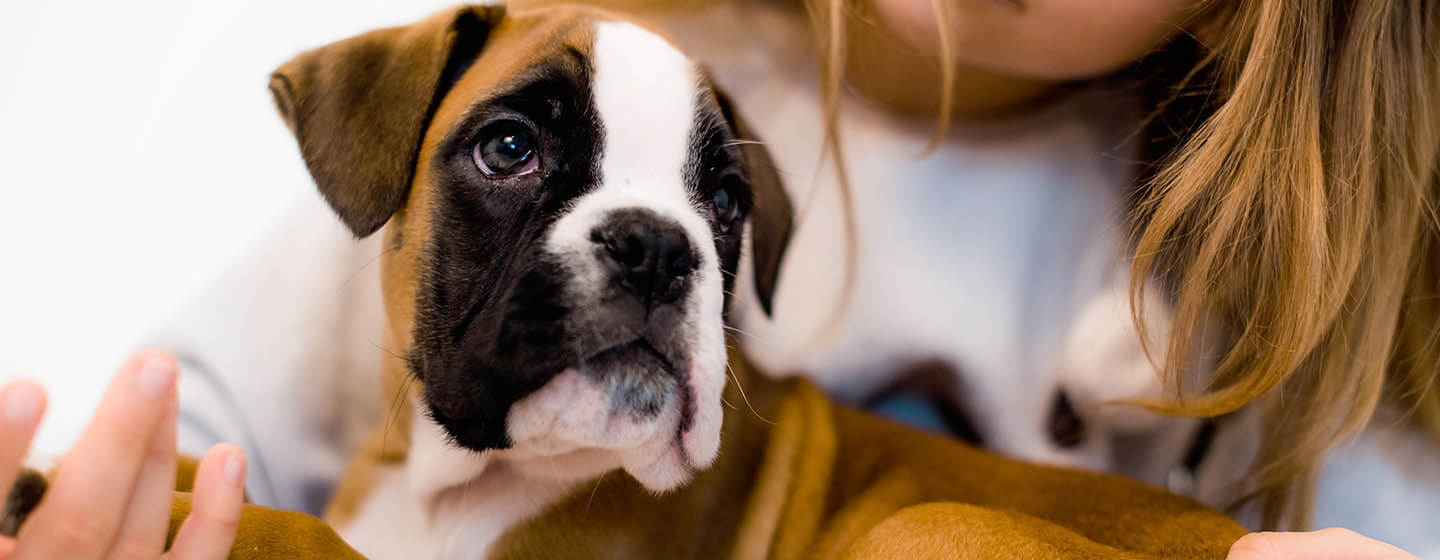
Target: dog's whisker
<point x="743" y="143"/>
<point x="368" y="264"/>
<point x="731" y="371"/>
<point x="736" y="330"/>
<point x="394" y="410"/>
<point x="593" y="491"/>
<point x="382" y="348"/>
<point x="487" y="314"/>
<point x="395" y="403"/>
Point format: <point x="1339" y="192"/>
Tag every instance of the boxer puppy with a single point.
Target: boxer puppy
<point x="565" y="200"/>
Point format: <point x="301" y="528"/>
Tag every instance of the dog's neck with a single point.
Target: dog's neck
<point x="776" y="454"/>
<point x="416" y="494"/>
<point x="457" y="503"/>
<point x="468" y="499"/>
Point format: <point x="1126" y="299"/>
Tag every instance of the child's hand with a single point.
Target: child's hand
<point x="1327" y="543"/>
<point x="111" y="496"/>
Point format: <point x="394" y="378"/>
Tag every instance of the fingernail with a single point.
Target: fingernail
<point x="235" y="468"/>
<point x="22" y="405"/>
<point x="156" y="375"/>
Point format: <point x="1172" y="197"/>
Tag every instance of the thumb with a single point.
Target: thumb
<point x="1335" y="543"/>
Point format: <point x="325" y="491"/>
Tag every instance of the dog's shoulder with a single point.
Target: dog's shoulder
<point x="906" y="491"/>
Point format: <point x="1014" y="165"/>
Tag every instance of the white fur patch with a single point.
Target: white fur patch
<point x="448" y="503"/>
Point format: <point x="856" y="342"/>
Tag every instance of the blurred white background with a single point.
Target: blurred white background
<point x="139" y="156"/>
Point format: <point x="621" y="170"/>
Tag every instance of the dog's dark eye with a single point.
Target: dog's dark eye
<point x="724" y="208"/>
<point x="506" y="149"/>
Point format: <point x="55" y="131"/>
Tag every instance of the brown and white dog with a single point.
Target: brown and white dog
<point x="565" y="199"/>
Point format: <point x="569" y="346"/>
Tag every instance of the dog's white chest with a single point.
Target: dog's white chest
<point x="441" y="506"/>
<point x="392" y="526"/>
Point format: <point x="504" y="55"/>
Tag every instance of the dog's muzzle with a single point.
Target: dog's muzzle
<point x="638" y="315"/>
<point x="647" y="355"/>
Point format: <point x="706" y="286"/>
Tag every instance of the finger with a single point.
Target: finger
<point x="1327" y="543"/>
<point x="80" y="514"/>
<point x="209" y="531"/>
<point x="22" y="403"/>
<point x="142" y="529"/>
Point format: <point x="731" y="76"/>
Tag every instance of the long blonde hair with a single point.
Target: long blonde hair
<point x="1292" y="194"/>
<point x="1300" y="209"/>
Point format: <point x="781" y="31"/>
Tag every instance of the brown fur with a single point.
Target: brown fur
<point x="266" y="533"/>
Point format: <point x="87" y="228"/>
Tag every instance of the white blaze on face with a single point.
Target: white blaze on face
<point x="645" y="92"/>
<point x="645" y="95"/>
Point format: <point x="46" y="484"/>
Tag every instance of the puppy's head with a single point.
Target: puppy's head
<point x="566" y="198"/>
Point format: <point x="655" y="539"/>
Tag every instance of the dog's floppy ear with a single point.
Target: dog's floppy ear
<point x="772" y="217"/>
<point x="359" y="108"/>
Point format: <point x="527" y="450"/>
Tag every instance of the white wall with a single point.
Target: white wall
<point x="139" y="154"/>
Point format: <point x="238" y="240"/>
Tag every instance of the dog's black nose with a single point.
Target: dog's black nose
<point x="648" y="255"/>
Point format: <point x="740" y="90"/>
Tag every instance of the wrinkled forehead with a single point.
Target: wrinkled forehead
<point x="634" y="81"/>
